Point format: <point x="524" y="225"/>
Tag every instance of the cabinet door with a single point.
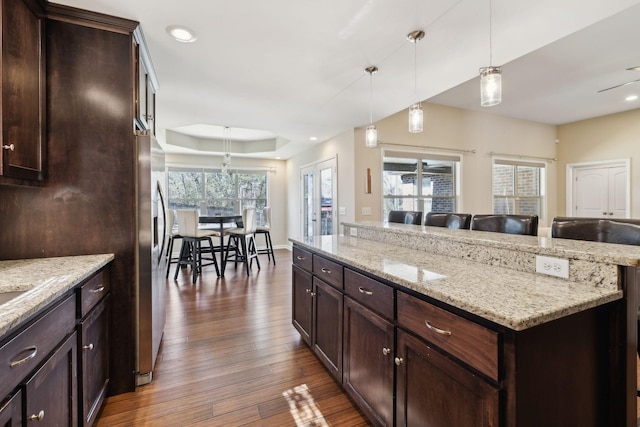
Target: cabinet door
<point x="368" y="362"/>
<point x="327" y="326"/>
<point x="94" y="361"/>
<point x="51" y="393"/>
<point x="23" y="92"/>
<point x="11" y="411"/>
<point x="434" y="391"/>
<point x="302" y="302"/>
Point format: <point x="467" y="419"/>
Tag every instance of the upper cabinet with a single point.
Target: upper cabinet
<point x="22" y="109"/>
<point x="146" y="86"/>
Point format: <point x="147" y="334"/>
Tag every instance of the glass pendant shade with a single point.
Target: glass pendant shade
<point x="490" y="86"/>
<point x="371" y="136"/>
<point x="416" y="118"/>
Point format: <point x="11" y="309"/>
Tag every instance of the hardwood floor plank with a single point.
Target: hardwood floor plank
<point x="230" y="357"/>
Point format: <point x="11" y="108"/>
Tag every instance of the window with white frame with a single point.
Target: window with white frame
<point x="419" y="182"/>
<point x="518" y="187"/>
<point x="215" y="192"/>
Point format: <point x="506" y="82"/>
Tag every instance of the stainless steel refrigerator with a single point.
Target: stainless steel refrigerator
<point x="151" y="286"/>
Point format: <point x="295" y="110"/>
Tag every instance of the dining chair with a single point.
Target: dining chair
<point x="241" y="246"/>
<point x="405" y="217"/>
<point x="448" y="220"/>
<point x="504" y="223"/>
<point x="172" y="235"/>
<point x="191" y="252"/>
<point x="266" y="230"/>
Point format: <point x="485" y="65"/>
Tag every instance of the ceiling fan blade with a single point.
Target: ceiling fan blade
<point x="620" y="85"/>
<point x="636" y="68"/>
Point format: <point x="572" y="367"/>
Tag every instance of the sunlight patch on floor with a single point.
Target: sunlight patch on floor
<point x="303" y="408"/>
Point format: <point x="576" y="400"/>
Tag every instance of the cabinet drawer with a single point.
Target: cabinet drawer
<point x="462" y="338"/>
<point x="92" y="291"/>
<point x="369" y="292"/>
<point x="302" y="258"/>
<point x="25" y="351"/>
<point x="328" y="271"/>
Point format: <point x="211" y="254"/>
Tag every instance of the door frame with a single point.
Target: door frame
<point x="573" y="167"/>
<point x="334" y="189"/>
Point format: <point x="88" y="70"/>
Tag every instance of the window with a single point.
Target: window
<point x="518" y="187"/>
<point x="212" y="191"/>
<point x="419" y="182"/>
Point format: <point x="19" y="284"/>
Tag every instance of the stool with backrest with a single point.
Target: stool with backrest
<point x="405" y="217"/>
<point x="449" y="220"/>
<point x="266" y="230"/>
<point x="242" y="242"/>
<point x="509" y="224"/>
<point x="172" y="235"/>
<point x="616" y="230"/>
<point x="192" y="250"/>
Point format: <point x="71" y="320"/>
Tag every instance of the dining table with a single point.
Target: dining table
<point x="221" y="220"/>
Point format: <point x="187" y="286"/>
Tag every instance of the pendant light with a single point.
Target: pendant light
<point x="490" y="77"/>
<point x="226" y="147"/>
<point x="371" y="133"/>
<point x="416" y="116"/>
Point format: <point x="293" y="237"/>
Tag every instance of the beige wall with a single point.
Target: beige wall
<point x="277" y="197"/>
<point x="612" y="137"/>
<point x="341" y="147"/>
<point x="457" y="129"/>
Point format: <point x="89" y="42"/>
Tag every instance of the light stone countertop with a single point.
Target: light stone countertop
<point x="43" y="280"/>
<point x="515" y="299"/>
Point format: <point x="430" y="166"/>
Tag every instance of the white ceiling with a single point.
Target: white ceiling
<point x="293" y="69"/>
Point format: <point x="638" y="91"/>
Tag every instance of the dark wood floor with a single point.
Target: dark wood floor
<point x="230" y="357"/>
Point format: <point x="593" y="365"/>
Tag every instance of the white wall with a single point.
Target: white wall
<point x="456" y="129"/>
<point x="276" y="197"/>
<point x="341" y="147"/>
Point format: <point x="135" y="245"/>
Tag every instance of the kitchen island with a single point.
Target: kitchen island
<point x="461" y="330"/>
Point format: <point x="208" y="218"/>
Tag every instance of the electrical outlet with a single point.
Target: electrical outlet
<point x="557" y="267"/>
<point x="343" y="211"/>
<point x="353" y="231"/>
<point x="366" y="211"/>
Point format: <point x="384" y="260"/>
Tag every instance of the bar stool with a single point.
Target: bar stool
<point x="172" y="235"/>
<point x="192" y="237"/>
<point x="405" y="217"/>
<point x="510" y="224"/>
<point x="242" y="241"/>
<point x="266" y="230"/>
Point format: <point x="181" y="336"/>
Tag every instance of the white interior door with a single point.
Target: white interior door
<point x="319" y="190"/>
<point x="600" y="192"/>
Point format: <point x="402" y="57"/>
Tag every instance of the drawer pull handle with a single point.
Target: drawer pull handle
<point x="300" y="258"/>
<point x="38" y="417"/>
<point x="386" y="351"/>
<point x="399" y="361"/>
<point x="364" y="291"/>
<point x="88" y="347"/>
<point x="97" y="290"/>
<point x="436" y="330"/>
<point x="326" y="270"/>
<point x="33" y="351"/>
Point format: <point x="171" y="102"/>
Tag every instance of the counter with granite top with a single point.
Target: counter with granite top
<point x="468" y="269"/>
<point x="41" y="281"/>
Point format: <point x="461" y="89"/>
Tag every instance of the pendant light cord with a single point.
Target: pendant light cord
<point x="490" y="31"/>
<point x="370" y="97"/>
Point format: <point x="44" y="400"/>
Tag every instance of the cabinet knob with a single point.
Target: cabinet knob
<point x="313" y="294"/>
<point x="399" y="361"/>
<point x="38" y="417"/>
<point x="386" y="351"/>
<point x="88" y="347"/>
<point x="10" y="147"/>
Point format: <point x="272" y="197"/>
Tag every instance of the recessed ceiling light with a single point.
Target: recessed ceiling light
<point x="313" y="138"/>
<point x="182" y="34"/>
<point x="631" y="98"/>
<point x="277" y="157"/>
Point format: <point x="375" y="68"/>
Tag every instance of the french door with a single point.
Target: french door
<point x="319" y="191"/>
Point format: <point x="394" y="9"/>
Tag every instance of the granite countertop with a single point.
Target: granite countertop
<point x="42" y="281"/>
<point x="515" y="299"/>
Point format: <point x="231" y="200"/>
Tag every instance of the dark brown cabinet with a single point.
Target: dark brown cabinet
<point x="146" y="86"/>
<point x="22" y="109"/>
<point x="11" y="411"/>
<point x="51" y="393"/>
<point x="433" y="390"/>
<point x="327" y="326"/>
<point x="368" y="362"/>
<point x="302" y="282"/>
